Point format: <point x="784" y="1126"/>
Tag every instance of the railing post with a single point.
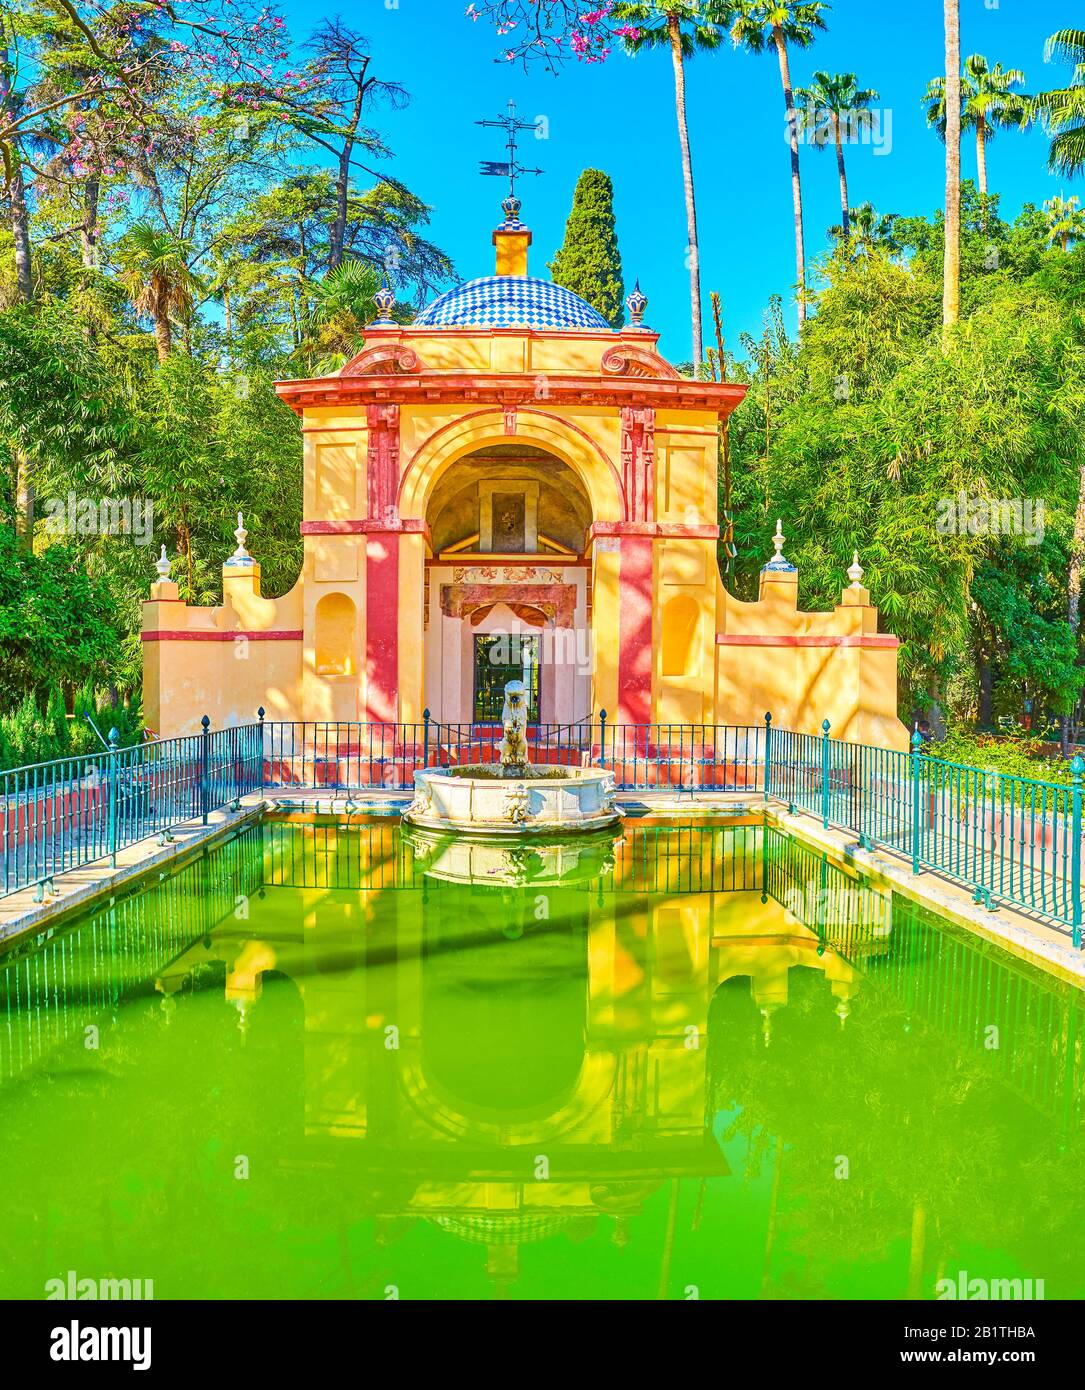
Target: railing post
<point x="205" y="768"/>
<point x="1077" y="767"/>
<point x="825" y="773"/>
<point x="602" y="737"/>
<point x="917" y="794"/>
<point x="425" y="738"/>
<point x="768" y="753"/>
<point x="260" y="754"/>
<point x="114" y="739"/>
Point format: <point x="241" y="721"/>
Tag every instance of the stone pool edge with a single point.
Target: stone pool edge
<point x="22" y="917"/>
<point x="1025" y="937"/>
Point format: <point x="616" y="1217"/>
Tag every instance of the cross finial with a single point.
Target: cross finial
<point x="508" y="168"/>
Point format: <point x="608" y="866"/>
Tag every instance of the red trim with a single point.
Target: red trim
<point x="635" y="630"/>
<point x="382" y="629"/>
<point x="365" y="527"/>
<point x="509" y="388"/>
<point x="854" y="639"/>
<point x="668" y="529"/>
<point x="480" y="559"/>
<point x="202" y="635"/>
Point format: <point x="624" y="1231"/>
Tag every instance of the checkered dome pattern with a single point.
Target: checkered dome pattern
<point x="510" y="301"/>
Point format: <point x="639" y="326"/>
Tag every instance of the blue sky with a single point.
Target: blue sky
<point x="619" y="116"/>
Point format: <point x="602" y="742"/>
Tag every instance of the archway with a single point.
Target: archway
<point x="563" y="439"/>
<point x="507" y="592"/>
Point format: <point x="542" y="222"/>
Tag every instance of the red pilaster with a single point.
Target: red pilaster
<point x="638" y="462"/>
<point x="382" y="567"/>
<point x="635" y="631"/>
<point x="382" y="463"/>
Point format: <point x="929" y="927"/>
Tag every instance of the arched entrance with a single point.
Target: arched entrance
<point x="507" y="591"/>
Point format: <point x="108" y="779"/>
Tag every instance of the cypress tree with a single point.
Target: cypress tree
<point x="589" y="262"/>
<point x="56" y="723"/>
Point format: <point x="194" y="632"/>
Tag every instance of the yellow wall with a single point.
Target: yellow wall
<point x="793" y="664"/>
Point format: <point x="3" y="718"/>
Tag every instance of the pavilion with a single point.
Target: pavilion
<point x="510" y="487"/>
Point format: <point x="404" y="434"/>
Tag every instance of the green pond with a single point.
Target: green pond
<point x="692" y="1059"/>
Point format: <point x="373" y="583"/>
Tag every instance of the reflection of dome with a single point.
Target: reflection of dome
<point x="503" y="1228"/>
<point x="511" y="301"/>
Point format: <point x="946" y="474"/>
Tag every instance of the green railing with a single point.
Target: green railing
<point x="58" y="816"/>
<point x="1009" y="839"/>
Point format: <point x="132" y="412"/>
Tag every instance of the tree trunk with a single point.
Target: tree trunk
<point x="88" y="234"/>
<point x="24" y="499"/>
<point x="843" y="177"/>
<point x="951" y="270"/>
<point x="20" y="229"/>
<point x="339" y="226"/>
<point x="796" y="185"/>
<point x="675" y="32"/>
<point x="981" y="158"/>
<point x="162" y="336"/>
<point x="20" y="221"/>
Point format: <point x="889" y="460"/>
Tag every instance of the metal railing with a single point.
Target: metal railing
<point x="58" y="816"/>
<point x="1007" y="838"/>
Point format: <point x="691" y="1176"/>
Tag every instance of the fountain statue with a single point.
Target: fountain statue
<point x="513" y="752"/>
<point x="511" y="796"/>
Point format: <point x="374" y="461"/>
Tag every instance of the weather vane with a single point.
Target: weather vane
<point x="507" y="168"/>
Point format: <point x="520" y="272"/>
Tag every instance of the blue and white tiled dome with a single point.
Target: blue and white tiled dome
<point x="510" y="301"/>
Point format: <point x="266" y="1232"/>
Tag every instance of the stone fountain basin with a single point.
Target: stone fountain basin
<point x="481" y="799"/>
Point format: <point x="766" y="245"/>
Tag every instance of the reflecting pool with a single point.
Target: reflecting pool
<point x="682" y="1060"/>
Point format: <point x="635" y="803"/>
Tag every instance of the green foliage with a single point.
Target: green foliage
<point x="55" y="619"/>
<point x="1014" y="755"/>
<point x="589" y="262"/>
<point x="861" y="437"/>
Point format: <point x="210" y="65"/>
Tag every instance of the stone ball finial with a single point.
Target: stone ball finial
<point x="636" y="303"/>
<point x="855" y="571"/>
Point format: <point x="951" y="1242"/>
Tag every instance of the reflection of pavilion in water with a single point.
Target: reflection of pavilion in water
<point x="514" y="1038"/>
<point x="459" y="1016"/>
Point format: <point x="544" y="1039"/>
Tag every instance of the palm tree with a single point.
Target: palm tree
<point x="838" y="98"/>
<point x="1065" y="221"/>
<point x="951" y="259"/>
<point x="157" y="278"/>
<point x="342" y="305"/>
<point x="763" y="24"/>
<point x="987" y="104"/>
<point x="686" y="28"/>
<point x="1063" y="110"/>
<point x="866" y="230"/>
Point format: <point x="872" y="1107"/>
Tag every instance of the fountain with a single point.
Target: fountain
<point x="511" y="796"/>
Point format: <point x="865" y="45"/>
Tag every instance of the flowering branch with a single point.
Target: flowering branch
<point x="551" y="31"/>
